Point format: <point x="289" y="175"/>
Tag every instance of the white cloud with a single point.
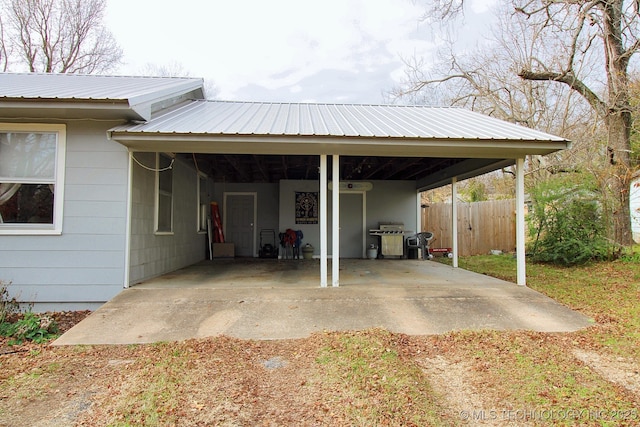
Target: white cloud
<point x="275" y="44"/>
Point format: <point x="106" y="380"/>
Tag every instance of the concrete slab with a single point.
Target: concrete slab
<point x="281" y="299"/>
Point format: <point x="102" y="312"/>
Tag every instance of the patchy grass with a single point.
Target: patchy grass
<point x="608" y="292"/>
<point x="373" y="377"/>
<point x="533" y="378"/>
<point x="373" y="384"/>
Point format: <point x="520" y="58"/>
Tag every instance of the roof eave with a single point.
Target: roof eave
<point x="68" y="108"/>
<point x="188" y="85"/>
<point x="341" y="145"/>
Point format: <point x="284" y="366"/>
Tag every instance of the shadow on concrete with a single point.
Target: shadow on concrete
<point x="282" y="299"/>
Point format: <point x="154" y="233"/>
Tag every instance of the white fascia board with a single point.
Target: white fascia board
<point x="316" y="145"/>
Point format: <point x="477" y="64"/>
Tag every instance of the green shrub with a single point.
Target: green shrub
<point x="566" y="225"/>
<point x="32" y="327"/>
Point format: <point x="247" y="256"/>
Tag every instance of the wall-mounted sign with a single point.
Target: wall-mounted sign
<point x="353" y="186"/>
<point x="306" y="207"/>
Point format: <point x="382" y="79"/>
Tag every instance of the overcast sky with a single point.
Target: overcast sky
<point x="343" y="51"/>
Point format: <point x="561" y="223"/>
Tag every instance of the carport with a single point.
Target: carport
<point x="343" y="143"/>
<point x="261" y="299"/>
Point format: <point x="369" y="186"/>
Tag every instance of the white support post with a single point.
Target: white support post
<point x="335" y="216"/>
<point x="418" y="213"/>
<point x="323" y="220"/>
<point x="520" y="236"/>
<point x="454" y="220"/>
<point x="127" y="247"/>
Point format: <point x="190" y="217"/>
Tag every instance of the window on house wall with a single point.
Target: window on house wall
<point x="203" y="202"/>
<point x="31" y="178"/>
<point x="164" y="193"/>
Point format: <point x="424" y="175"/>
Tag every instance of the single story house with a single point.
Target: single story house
<point x="106" y="181"/>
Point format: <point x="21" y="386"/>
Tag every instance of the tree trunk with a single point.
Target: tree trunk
<point x="619" y="124"/>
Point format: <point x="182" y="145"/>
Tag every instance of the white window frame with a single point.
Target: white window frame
<point x="203" y="205"/>
<point x="58" y="199"/>
<point x="171" y="157"/>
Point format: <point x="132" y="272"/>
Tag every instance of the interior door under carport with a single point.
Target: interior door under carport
<point x="352" y="241"/>
<point x="240" y="220"/>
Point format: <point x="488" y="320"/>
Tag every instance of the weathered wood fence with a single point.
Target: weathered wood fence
<point x="482" y="226"/>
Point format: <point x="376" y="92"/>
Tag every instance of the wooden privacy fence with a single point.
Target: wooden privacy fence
<point x="482" y="226"/>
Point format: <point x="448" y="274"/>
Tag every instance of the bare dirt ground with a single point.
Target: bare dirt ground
<point x="223" y="381"/>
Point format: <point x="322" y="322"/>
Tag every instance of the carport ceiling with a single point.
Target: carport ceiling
<point x="247" y="168"/>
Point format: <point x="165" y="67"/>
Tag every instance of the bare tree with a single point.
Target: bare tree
<point x="603" y="30"/>
<point x="587" y="46"/>
<point x="484" y="79"/>
<point x="59" y="36"/>
<point x="4" y="54"/>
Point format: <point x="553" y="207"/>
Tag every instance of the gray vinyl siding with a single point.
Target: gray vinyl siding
<point x="84" y="266"/>
<point x="155" y="254"/>
<point x="267" y="201"/>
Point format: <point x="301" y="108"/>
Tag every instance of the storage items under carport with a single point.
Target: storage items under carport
<point x="391" y="237"/>
<point x="268" y="248"/>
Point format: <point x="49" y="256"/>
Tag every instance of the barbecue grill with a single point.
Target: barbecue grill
<point x="391" y="237"/>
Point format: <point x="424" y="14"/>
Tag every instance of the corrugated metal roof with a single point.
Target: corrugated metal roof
<point x="42" y="86"/>
<point x="338" y="120"/>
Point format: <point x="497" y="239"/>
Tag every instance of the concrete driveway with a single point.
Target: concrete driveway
<point x="281" y="299"/>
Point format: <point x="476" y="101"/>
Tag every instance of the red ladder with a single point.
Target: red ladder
<point x="218" y="235"/>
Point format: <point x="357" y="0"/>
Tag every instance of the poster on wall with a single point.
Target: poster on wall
<point x="306" y="207"/>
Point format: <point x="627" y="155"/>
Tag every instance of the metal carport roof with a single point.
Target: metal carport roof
<point x="255" y="135"/>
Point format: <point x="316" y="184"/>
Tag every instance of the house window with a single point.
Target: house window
<point x="203" y="202"/>
<point x="164" y="193"/>
<point x="31" y="178"/>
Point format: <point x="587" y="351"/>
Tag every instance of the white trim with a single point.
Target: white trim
<point x="127" y="236"/>
<point x="60" y="172"/>
<point x="520" y="224"/>
<point x="157" y="197"/>
<point x="201" y="216"/>
<point x="454" y="220"/>
<point x="335" y="222"/>
<point x="323" y="221"/>
<point x="418" y="212"/>
<point x="254" y="224"/>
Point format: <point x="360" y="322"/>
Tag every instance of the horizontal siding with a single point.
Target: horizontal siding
<point x="63" y="258"/>
<point x="63" y="294"/>
<point x="94" y="177"/>
<point x="86" y="263"/>
<point x="67" y="276"/>
<point x="95" y="226"/>
<point x="77" y="242"/>
<point x="98" y="159"/>
<point x="98" y="193"/>
<point x="95" y="208"/>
